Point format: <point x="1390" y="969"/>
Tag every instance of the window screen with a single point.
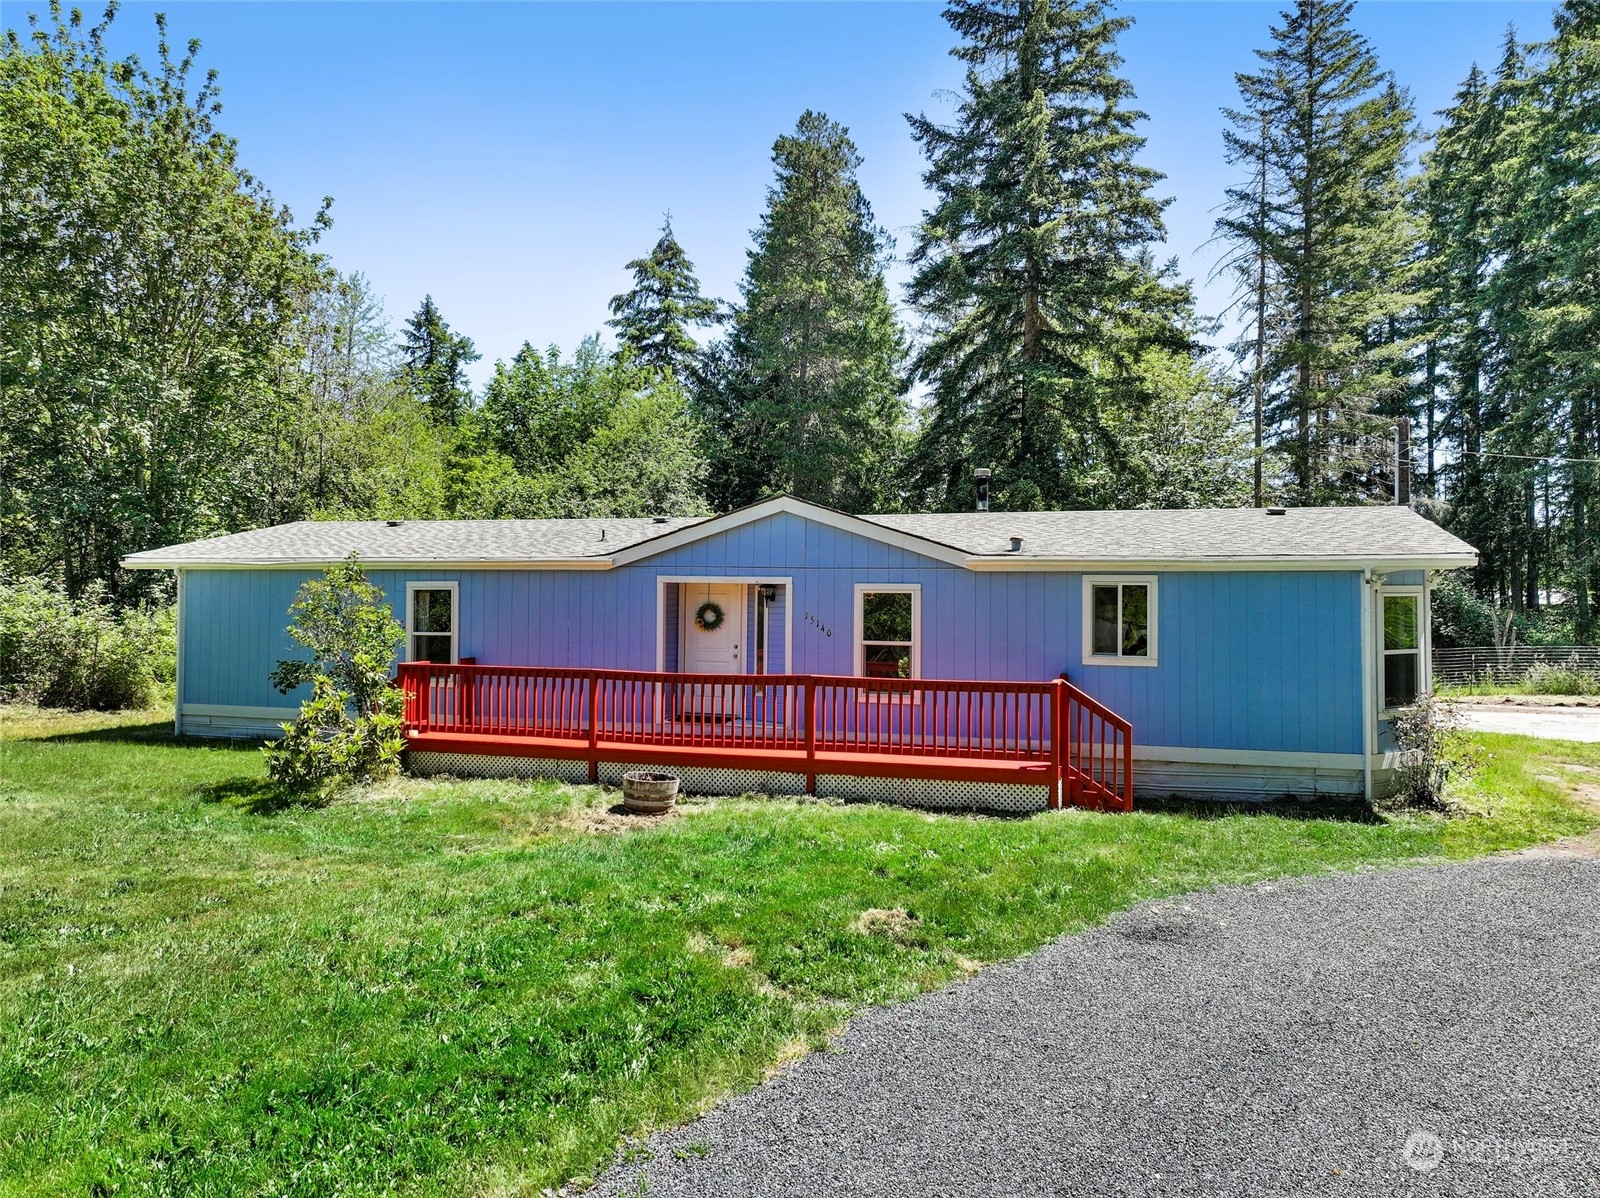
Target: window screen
<point x="888" y="634"/>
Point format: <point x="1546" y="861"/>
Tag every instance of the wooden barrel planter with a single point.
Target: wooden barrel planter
<point x="648" y="794"/>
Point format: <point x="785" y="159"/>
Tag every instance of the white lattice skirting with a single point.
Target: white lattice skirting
<point x="908" y="792"/>
<point x="702" y="780"/>
<point x="936" y="793"/>
<point x="483" y="765"/>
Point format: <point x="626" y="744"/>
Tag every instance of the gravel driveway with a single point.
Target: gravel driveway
<point x="1285" y="1038"/>
<point x="1556" y="723"/>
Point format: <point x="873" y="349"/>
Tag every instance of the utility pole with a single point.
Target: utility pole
<point x="1402" y="462"/>
<point x="1261" y="303"/>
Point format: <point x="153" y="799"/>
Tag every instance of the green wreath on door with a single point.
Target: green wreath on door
<point x="709" y="616"/>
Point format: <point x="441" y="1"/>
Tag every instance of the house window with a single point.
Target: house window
<point x="1119" y="621"/>
<point x="431" y="621"/>
<point x="887" y="624"/>
<point x="1402" y="648"/>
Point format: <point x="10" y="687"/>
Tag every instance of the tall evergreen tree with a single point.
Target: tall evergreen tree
<point x="1465" y="210"/>
<point x="433" y="360"/>
<point x="1032" y="268"/>
<point x="809" y="397"/>
<point x="1541" y="304"/>
<point x="654" y="317"/>
<point x="1567" y="313"/>
<point x="1329" y="131"/>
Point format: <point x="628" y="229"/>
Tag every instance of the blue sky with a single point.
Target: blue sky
<point x="509" y="158"/>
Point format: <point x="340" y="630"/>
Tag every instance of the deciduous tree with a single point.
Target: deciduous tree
<point x="150" y="288"/>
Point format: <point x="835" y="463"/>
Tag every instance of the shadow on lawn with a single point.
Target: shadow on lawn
<point x="1321" y="810"/>
<point x="156" y="732"/>
<point x="255" y="796"/>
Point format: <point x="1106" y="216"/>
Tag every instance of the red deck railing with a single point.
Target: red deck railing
<point x="1037" y="733"/>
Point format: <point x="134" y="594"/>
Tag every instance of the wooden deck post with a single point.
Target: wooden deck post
<point x="594" y="726"/>
<point x="1058" y="776"/>
<point x="811" y="734"/>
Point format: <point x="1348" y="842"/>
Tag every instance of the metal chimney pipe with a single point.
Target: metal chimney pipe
<point x="980" y="481"/>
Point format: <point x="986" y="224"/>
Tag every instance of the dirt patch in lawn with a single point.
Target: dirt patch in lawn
<point x="1588" y="793"/>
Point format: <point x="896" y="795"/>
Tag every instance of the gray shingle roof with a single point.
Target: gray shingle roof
<point x="1198" y="536"/>
<point x="377" y="541"/>
<point x="1190" y="535"/>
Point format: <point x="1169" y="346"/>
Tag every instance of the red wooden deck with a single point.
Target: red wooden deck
<point x="1031" y="733"/>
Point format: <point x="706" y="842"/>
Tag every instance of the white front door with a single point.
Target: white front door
<point x="707" y="645"/>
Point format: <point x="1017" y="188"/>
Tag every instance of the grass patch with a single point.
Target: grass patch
<point x="1544" y="682"/>
<point x="436" y="987"/>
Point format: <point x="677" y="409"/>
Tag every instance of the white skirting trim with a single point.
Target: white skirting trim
<point x="233" y="723"/>
<point x="1264" y="757"/>
<point x="244" y="713"/>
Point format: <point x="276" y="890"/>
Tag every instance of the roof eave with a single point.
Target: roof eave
<point x="1006" y="561"/>
<point x="372" y="563"/>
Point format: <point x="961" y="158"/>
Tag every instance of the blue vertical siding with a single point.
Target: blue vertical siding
<point x="1259" y="660"/>
<point x="670" y="623"/>
<point x="777" y="614"/>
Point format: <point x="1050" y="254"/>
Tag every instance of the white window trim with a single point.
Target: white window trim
<point x="455" y="615"/>
<point x="1424" y="649"/>
<point x="1090" y="581"/>
<point x="914" y="589"/>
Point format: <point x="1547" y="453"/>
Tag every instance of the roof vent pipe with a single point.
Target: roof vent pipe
<point x="1277" y="511"/>
<point x="980" y="482"/>
<point x="658" y="519"/>
<point x="394" y="523"/>
<point x="1016" y="544"/>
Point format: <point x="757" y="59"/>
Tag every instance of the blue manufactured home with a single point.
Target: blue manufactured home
<point x="1253" y="652"/>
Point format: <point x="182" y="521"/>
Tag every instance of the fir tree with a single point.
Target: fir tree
<point x="1328" y="132"/>
<point x="808" y="396"/>
<point x="1567" y="315"/>
<point x="1463" y="209"/>
<point x="1032" y="267"/>
<point x="653" y="319"/>
<point x="433" y="360"/>
<point x="1541" y="306"/>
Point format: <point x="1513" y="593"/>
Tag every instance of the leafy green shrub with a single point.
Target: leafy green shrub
<point x="1433" y="750"/>
<point x="349" y="730"/>
<point x="56" y="651"/>
<point x="326" y="747"/>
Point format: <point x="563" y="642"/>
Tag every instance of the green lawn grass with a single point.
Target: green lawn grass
<point x="486" y="987"/>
